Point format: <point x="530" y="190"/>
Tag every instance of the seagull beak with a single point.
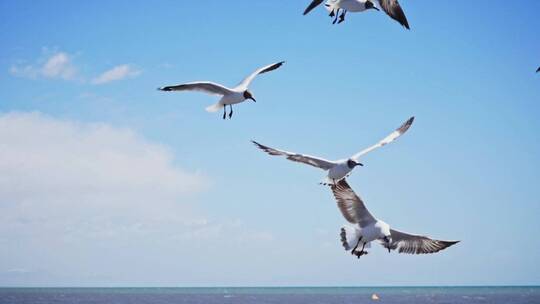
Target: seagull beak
<point x="376" y="8"/>
<point x="360" y="164"/>
<point x="253" y="99"/>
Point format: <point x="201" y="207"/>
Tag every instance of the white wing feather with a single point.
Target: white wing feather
<point x="201" y="86"/>
<point x="247" y="81"/>
<point x="388" y="139"/>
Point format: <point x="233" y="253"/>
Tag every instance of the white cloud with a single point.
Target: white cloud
<point x="86" y="180"/>
<point x="58" y="65"/>
<point x="116" y="73"/>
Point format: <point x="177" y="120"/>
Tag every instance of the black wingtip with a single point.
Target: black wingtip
<point x="538" y="70"/>
<point x="406" y="24"/>
<point x="258" y="145"/>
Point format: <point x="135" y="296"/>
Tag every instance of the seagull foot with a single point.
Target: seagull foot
<point x="358" y="254"/>
<point x="332" y="13"/>
<point x="341" y="18"/>
<point x="230" y="115"/>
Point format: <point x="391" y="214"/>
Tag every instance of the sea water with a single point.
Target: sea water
<point x="277" y="295"/>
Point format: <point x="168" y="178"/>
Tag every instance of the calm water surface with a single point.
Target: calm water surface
<point x="416" y="295"/>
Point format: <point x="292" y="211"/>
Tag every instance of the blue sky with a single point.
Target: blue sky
<point x="108" y="182"/>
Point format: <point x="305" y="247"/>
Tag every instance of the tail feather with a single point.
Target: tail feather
<point x="214" y="108"/>
<point x="349" y="237"/>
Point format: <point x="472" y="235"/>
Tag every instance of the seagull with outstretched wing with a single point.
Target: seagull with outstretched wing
<point x="337" y="169"/>
<point x="229" y="96"/>
<point x="364" y="228"/>
<point x="390" y="7"/>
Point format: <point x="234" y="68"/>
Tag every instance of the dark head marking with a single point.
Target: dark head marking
<point x="351" y="164"/>
<point x="370" y="5"/>
<point x="248" y="95"/>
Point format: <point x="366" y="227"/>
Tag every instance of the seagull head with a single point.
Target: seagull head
<point x="370" y="5"/>
<point x="248" y="95"/>
<point x="352" y="163"/>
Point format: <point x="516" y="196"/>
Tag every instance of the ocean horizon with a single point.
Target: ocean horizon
<point x="247" y="295"/>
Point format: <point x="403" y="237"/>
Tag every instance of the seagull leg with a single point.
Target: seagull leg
<point x="230" y="113"/>
<point x="332" y="13"/>
<point x="342" y="17"/>
<point x="224" y="111"/>
<point x="357" y="244"/>
<point x="337" y="13"/>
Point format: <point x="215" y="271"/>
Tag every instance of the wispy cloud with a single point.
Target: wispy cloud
<point x="58" y="65"/>
<point x="117" y="73"/>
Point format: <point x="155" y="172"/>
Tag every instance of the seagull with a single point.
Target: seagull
<point x="538" y="70"/>
<point x="366" y="228"/>
<point x="390" y="7"/>
<point x="337" y="169"/>
<point x="230" y="96"/>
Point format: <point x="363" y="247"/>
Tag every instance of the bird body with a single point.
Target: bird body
<point x="340" y="170"/>
<point x="229" y="96"/>
<point x="364" y="228"/>
<point x="337" y="169"/>
<point x="353" y="6"/>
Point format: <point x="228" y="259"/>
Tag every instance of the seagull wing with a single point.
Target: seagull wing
<point x="301" y="158"/>
<point x="201" y="86"/>
<point x="393" y="9"/>
<point x="247" y="81"/>
<point x="416" y="244"/>
<point x="351" y="205"/>
<point x="388" y="139"/>
<point x="312" y="5"/>
<point x="538" y="70"/>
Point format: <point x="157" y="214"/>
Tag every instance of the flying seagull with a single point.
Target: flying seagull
<point x="366" y="228"/>
<point x="390" y="7"/>
<point x="337" y="169"/>
<point x="230" y="96"/>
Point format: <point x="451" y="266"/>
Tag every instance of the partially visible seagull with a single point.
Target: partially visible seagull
<point x="390" y="7"/>
<point x="230" y="96"/>
<point x="337" y="169"/>
<point x="538" y="70"/>
<point x="366" y="228"/>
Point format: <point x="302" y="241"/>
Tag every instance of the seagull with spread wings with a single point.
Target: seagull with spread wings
<point x="337" y="169"/>
<point x="229" y="96"/>
<point x="390" y="7"/>
<point x="365" y="228"/>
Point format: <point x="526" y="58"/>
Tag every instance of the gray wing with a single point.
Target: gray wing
<point x="393" y="9"/>
<point x="416" y="244"/>
<point x="301" y="158"/>
<point x="247" y="81"/>
<point x="388" y="139"/>
<point x="312" y="5"/>
<point x="201" y="86"/>
<point x="351" y="205"/>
